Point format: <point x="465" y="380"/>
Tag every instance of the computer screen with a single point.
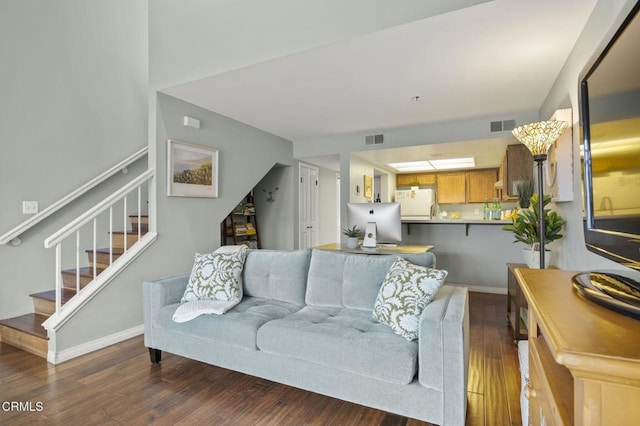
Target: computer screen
<point x="386" y="217"/>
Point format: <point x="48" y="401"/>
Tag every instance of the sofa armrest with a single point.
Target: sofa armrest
<point x="159" y="293"/>
<point x="443" y="359"/>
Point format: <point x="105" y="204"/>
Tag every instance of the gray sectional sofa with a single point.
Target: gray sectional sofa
<point x="306" y="321"/>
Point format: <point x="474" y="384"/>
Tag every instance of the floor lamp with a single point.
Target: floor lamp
<point x="538" y="137"/>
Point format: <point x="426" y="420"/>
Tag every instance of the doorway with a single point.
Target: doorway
<point x="308" y="206"/>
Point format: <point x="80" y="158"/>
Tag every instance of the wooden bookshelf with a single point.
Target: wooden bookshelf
<point x="241" y="225"/>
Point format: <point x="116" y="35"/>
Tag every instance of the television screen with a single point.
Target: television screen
<point x="610" y="124"/>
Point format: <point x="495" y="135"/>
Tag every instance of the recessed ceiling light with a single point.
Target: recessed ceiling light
<point x="443" y="164"/>
<point x="453" y="163"/>
<point x="412" y="166"/>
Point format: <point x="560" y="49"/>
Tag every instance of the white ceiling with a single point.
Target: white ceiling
<point x="491" y="59"/>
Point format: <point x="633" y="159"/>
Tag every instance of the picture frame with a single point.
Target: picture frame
<point x="368" y="186"/>
<point x="192" y="170"/>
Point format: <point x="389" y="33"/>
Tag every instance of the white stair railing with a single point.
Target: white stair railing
<point x="99" y="278"/>
<point x="12" y="236"/>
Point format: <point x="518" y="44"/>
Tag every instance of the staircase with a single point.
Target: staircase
<point x="26" y="331"/>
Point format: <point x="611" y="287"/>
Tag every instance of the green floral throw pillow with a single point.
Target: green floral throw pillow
<point x="405" y="292"/>
<point x="216" y="276"/>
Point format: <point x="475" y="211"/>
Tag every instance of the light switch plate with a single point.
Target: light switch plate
<point x="29" y="207"/>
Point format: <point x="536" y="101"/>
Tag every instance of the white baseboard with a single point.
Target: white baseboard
<point x="481" y="288"/>
<point x="94" y="345"/>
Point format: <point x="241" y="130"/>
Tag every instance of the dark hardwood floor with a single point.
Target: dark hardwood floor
<point x="119" y="386"/>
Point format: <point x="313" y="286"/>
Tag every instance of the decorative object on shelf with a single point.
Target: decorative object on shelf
<point x="352" y="236"/>
<point x="192" y="171"/>
<point x="538" y="137"/>
<point x="611" y="290"/>
<point x="270" y="197"/>
<point x="525" y="229"/>
<point x="524" y="189"/>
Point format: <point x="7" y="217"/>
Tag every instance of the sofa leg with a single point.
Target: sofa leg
<point x="155" y="355"/>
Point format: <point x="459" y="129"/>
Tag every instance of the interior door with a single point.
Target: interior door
<point x="308" y="206"/>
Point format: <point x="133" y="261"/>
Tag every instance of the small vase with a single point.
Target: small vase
<point x="532" y="258"/>
<point x="352" y="242"/>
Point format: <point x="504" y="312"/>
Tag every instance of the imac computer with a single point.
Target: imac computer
<point x="380" y="222"/>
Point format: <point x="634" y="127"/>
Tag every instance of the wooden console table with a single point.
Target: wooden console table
<point x="399" y="249"/>
<point x="584" y="359"/>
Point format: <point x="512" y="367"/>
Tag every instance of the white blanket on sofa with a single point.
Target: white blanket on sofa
<point x="190" y="310"/>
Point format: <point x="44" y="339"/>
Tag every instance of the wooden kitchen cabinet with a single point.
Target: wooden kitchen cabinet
<point x="406" y="179"/>
<point x="452" y="188"/>
<point x="517" y="164"/>
<point x="472" y="186"/>
<point x="422" y="179"/>
<point x="481" y="185"/>
<point x="426" y="179"/>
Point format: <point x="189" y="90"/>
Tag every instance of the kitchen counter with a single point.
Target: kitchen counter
<point x="465" y="222"/>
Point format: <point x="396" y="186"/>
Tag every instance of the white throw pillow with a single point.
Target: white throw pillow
<point x="405" y="292"/>
<point x="216" y="276"/>
<point x="235" y="249"/>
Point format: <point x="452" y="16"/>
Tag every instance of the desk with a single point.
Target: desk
<point x="400" y="249"/>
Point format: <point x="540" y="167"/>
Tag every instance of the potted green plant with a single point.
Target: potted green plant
<point x="524" y="189"/>
<point x="352" y="236"/>
<point x="525" y="229"/>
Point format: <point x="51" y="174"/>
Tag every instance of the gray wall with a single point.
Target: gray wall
<point x="275" y="218"/>
<point x="74" y="89"/>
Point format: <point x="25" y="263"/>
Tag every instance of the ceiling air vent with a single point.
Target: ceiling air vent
<point x="503" y="126"/>
<point x="373" y="139"/>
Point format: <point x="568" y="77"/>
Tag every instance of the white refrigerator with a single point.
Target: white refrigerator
<point x="416" y="204"/>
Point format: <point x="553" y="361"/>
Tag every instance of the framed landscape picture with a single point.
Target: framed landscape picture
<point x="192" y="170"/>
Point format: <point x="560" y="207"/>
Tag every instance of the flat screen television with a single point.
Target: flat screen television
<point x="610" y="126"/>
<point x="385" y="217"/>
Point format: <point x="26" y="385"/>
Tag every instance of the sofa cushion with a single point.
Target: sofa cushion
<point x="405" y="292"/>
<point x="238" y="327"/>
<point x="344" y="339"/>
<point x="346" y="280"/>
<point x="216" y="276"/>
<point x="276" y="274"/>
